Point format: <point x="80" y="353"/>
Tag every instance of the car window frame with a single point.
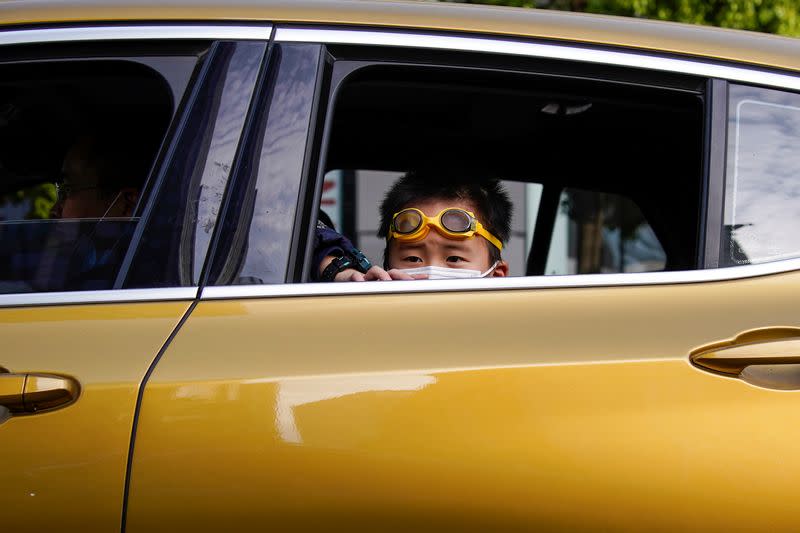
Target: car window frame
<point x="717" y="74"/>
<point x="94" y="35"/>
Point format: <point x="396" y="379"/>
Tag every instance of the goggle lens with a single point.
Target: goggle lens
<point x="407" y="222"/>
<point x="456" y="221"/>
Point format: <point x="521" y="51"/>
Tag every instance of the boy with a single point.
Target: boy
<point x="440" y="227"/>
<point x="445" y="227"/>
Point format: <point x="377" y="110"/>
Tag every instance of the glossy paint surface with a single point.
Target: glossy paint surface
<point x="701" y="41"/>
<point x="65" y="469"/>
<point x="571" y="409"/>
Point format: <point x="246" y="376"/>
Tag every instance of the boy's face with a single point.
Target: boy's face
<point x="437" y="250"/>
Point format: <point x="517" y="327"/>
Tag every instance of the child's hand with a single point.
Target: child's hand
<point x="350" y="274"/>
<point x="376" y="273"/>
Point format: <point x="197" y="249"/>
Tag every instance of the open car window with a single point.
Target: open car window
<point x="604" y="173"/>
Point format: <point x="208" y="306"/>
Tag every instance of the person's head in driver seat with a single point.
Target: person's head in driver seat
<point x="446" y="226"/>
<point x="100" y="179"/>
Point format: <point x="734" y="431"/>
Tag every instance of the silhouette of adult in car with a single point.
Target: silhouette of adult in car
<point x="101" y="178"/>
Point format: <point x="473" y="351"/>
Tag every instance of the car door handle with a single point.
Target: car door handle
<point x="34" y="393"/>
<point x="767" y="357"/>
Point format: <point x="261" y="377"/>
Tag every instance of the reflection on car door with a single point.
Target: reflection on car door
<point x="562" y="408"/>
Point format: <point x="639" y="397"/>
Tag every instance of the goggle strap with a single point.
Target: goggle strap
<point x="489" y="237"/>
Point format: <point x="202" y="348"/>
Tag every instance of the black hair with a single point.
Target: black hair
<point x="489" y="197"/>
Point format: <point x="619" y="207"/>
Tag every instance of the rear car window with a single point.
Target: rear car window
<point x="586" y="161"/>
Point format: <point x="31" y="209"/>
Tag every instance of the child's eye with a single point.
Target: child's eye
<point x="455" y="259"/>
<point x="413" y="259"/>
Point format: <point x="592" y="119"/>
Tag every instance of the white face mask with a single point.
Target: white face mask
<point x="435" y="272"/>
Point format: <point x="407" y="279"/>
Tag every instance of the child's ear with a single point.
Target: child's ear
<point x="501" y="270"/>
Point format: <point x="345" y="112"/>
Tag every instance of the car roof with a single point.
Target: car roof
<point x="685" y="39"/>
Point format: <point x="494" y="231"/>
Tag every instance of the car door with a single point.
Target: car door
<point x="80" y="339"/>
<point x="576" y="402"/>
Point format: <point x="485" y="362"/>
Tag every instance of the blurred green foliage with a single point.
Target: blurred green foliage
<point x="39" y="200"/>
<point x="44" y="198"/>
<point x="770" y="16"/>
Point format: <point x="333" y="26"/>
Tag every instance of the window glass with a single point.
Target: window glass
<point x="255" y="240"/>
<point x="77" y="140"/>
<point x="190" y="189"/>
<point x="762" y="211"/>
<point x="601" y="233"/>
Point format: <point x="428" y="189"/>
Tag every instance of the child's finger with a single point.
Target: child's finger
<point x="377" y="274"/>
<point x="399" y="275"/>
<point x="349" y="274"/>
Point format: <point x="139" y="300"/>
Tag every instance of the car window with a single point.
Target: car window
<point x="604" y="176"/>
<point x="113" y="166"/>
<point x="761" y="186"/>
<point x="77" y="140"/>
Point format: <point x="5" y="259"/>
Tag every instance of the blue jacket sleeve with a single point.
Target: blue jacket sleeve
<point x="327" y="242"/>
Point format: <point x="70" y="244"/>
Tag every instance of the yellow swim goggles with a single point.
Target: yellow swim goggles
<point x="412" y="225"/>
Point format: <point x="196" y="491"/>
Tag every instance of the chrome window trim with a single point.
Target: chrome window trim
<point x="98" y="32"/>
<point x="509" y="283"/>
<point x="98" y="297"/>
<point x="515" y="46"/>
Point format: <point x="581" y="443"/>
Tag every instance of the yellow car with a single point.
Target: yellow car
<point x="168" y="364"/>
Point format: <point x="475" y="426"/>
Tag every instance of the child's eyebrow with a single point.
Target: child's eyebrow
<point x="457" y="246"/>
<point x="454" y="246"/>
<point x="410" y="246"/>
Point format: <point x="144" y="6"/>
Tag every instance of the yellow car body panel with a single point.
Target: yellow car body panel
<point x="748" y="47"/>
<point x="559" y="408"/>
<point x="468" y="411"/>
<point x="65" y="468"/>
